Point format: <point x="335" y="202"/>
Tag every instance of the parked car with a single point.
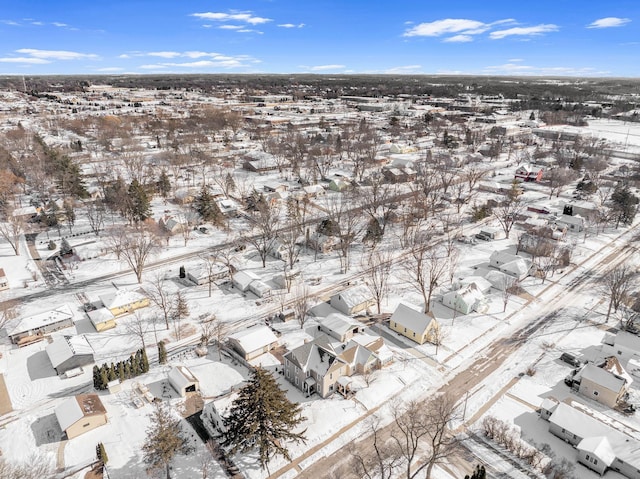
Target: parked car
<point x="466" y="239"/>
<point x="483" y="237"/>
<point x="571" y="359"/>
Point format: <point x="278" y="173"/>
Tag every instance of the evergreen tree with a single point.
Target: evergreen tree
<point x="164" y="184"/>
<point x="112" y="372"/>
<point x="135" y="365"/>
<point x="162" y="353"/>
<point x="479" y="473"/>
<point x="165" y="439"/>
<point x="625" y="204"/>
<point x="101" y="453"/>
<point x="65" y="247"/>
<point x="127" y="370"/>
<point x="262" y="416"/>
<point x="144" y="361"/>
<point x="104" y="377"/>
<point x="121" y="374"/>
<point x="97" y="382"/>
<point x="207" y="207"/>
<point x="140" y="206"/>
<point x="181" y="308"/>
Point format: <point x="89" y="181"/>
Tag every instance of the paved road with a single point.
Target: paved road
<point x="557" y="297"/>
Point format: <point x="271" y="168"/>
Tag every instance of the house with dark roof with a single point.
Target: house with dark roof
<point x="80" y="414"/>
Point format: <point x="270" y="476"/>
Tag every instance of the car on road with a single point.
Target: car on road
<point x="571" y="359"/>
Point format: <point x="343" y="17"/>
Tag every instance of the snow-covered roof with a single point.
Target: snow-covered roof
<point x="121" y="297"/>
<point x="601" y="377"/>
<point x="598" y="446"/>
<point x="481" y="283"/>
<point x="100" y="315"/>
<point x="75" y="408"/>
<point x="354" y="296"/>
<point x="409" y="318"/>
<point x="180" y="377"/>
<point x="628" y="340"/>
<point x="470" y="294"/>
<point x="66" y="347"/>
<point x="518" y="266"/>
<point x="499" y="280"/>
<point x="254" y="338"/>
<point x="46" y="318"/>
<point x="244" y="278"/>
<point x="338" y="323"/>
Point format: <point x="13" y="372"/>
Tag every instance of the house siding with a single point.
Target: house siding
<point x="86" y="424"/>
<point x="603" y="396"/>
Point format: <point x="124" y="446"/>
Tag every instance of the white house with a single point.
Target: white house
<point x="33" y="328"/>
<point x="69" y="352"/>
<point x="214" y="412"/>
<point x="253" y="341"/>
<point x="465" y="300"/>
<point x="510" y="264"/>
<point x="572" y="223"/>
<point x="340" y="327"/>
<point x="353" y="300"/>
<point x="79" y="414"/>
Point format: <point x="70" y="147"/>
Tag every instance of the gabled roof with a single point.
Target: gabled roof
<point x="67" y="347"/>
<point x="601" y="377"/>
<point x="254" y="338"/>
<point x="354" y="296"/>
<point x="338" y="323"/>
<point x="121" y="297"/>
<point x="311" y="357"/>
<point x="628" y="340"/>
<point x="598" y="446"/>
<point x="75" y="408"/>
<point x="409" y="318"/>
<point x="180" y="377"/>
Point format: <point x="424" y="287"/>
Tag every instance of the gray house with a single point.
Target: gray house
<point x="69" y="352"/>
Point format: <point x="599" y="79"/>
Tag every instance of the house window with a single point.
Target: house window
<point x="414" y="335"/>
<point x="595" y="462"/>
<point x="563" y="431"/>
<point x="587" y="457"/>
<point x="405" y="330"/>
<point x="296" y="380"/>
<point x="331" y="376"/>
<point x="595" y="393"/>
<point x="86" y="425"/>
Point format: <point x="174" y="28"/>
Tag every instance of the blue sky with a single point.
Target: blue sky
<point x="496" y="37"/>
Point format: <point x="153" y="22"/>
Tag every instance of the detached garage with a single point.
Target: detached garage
<point x="81" y="414"/>
<point x="69" y="352"/>
<point x="183" y="381"/>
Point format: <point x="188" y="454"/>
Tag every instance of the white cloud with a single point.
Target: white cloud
<point x="246" y="17"/>
<point x="513" y="60"/>
<point x="459" y="39"/>
<point x="109" y="69"/>
<point x="164" y="54"/>
<point x="248" y="30"/>
<point x="321" y="68"/>
<point x="151" y="67"/>
<point x="404" y="70"/>
<point x="203" y="60"/>
<point x="524" y="31"/>
<point x="231" y="27"/>
<point x="10" y="22"/>
<point x="519" y="69"/>
<point x="58" y="24"/>
<point x="609" y="22"/>
<point x="57" y="54"/>
<point x="291" y="25"/>
<point x="30" y="60"/>
<point x="39" y="24"/>
<point x="447" y="25"/>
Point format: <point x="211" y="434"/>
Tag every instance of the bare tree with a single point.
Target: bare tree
<point x="288" y="238"/>
<point x="618" y="284"/>
<point x="95" y="215"/>
<point x="439" y="335"/>
<point x="11" y="229"/>
<point x="138" y="325"/>
<point x="7" y="311"/>
<point x="441" y="442"/>
<point x="161" y="297"/>
<point x="187" y="219"/>
<point x="507" y="211"/>
<point x="263" y="236"/>
<point x="381" y="460"/>
<point x="137" y="247"/>
<point x="558" y="179"/>
<point x="348" y="225"/>
<point x="423" y="268"/>
<point x="377" y="268"/>
<point x="301" y="303"/>
<point x="211" y="264"/>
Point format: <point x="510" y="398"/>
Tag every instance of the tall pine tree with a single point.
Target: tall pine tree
<point x="140" y="206"/>
<point x="165" y="439"/>
<point x="262" y="417"/>
<point x="207" y="207"/>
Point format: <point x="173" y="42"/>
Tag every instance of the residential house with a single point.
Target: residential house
<point x="528" y="173"/>
<point x="626" y="346"/>
<point x="572" y="223"/>
<point x="260" y="162"/>
<point x="253" y="341"/>
<point x="203" y="274"/>
<point x="214" y="413"/>
<point x="510" y="264"/>
<point x="465" y="300"/>
<point x="353" y="300"/>
<point x="183" y="380"/>
<point x="500" y="280"/>
<point x="171" y="224"/>
<point x="249" y="282"/>
<point x="69" y="352"/>
<point x="314" y="367"/>
<point x="4" y="282"/>
<point x="482" y="284"/>
<point x="314" y="191"/>
<point x="417" y="326"/>
<point x="227" y="206"/>
<point x="33" y="328"/>
<point x="102" y="319"/>
<point x="124" y="301"/>
<point x="339" y="184"/>
<point x="275" y="188"/>
<point x="80" y="414"/>
<point x="321" y="243"/>
<point x="581" y="428"/>
<point x="340" y="327"/>
<point x="606" y="383"/>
